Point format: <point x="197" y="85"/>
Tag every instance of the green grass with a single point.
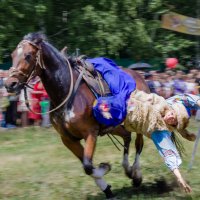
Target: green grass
<point x="35" y="165"/>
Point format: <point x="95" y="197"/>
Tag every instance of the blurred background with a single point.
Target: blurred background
<point x="134" y="34"/>
<point x="127" y="31"/>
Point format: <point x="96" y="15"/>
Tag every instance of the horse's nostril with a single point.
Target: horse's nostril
<point x="13" y="84"/>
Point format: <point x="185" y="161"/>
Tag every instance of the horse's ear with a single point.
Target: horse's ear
<point x="37" y="41"/>
<point x="64" y="50"/>
<point x="39" y="38"/>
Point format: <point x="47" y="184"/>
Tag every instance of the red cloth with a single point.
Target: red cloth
<point x="37" y="95"/>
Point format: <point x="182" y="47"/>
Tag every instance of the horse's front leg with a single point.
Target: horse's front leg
<point x="99" y="172"/>
<point x="90" y="144"/>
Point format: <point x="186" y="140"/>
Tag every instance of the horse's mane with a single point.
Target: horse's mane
<point x="39" y="38"/>
<point x="35" y="37"/>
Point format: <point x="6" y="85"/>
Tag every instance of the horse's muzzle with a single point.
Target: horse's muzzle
<point x="13" y="85"/>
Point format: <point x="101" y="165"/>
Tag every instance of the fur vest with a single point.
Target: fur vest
<point x="145" y="113"/>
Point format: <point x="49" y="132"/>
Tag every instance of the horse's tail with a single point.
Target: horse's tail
<point x="179" y="145"/>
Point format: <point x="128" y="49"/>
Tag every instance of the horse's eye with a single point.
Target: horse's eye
<point x="28" y="57"/>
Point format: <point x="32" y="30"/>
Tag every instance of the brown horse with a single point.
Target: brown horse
<point x="34" y="56"/>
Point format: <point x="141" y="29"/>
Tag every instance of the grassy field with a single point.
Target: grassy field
<point x="35" y="165"/>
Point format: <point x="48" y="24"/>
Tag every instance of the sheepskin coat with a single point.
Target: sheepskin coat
<point x="145" y="113"/>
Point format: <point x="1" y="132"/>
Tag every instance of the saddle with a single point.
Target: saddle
<point x="92" y="77"/>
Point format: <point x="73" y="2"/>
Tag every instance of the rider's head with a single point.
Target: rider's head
<point x="181" y="115"/>
<point x="178" y="118"/>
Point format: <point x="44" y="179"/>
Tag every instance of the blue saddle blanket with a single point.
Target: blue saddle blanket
<point x="121" y="85"/>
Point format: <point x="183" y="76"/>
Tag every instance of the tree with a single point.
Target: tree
<point x="116" y="29"/>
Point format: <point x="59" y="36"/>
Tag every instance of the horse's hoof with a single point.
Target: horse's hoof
<point x="105" y="166"/>
<point x="136" y="182"/>
<point x="128" y="172"/>
<point x="88" y="169"/>
<point x="108" y="192"/>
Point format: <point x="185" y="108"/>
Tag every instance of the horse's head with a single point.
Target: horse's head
<point x="26" y="63"/>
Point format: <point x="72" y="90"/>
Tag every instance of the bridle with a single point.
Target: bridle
<point x="40" y="63"/>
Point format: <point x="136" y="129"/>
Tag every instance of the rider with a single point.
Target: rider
<point x="175" y="110"/>
<point x="156" y="118"/>
<point x="148" y="114"/>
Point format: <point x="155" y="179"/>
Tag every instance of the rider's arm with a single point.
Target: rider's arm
<point x="194" y="100"/>
<point x="188" y="100"/>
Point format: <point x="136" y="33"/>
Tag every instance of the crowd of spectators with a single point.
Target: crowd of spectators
<point x="14" y="112"/>
<point x="172" y="82"/>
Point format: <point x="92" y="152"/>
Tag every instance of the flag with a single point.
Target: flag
<point x="180" y="23"/>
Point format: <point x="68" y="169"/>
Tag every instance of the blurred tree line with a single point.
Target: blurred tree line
<point x="116" y="29"/>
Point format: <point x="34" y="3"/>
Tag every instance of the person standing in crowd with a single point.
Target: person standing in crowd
<point x="22" y="107"/>
<point x="197" y="81"/>
<point x="45" y="104"/>
<point x="11" y="111"/>
<point x="157" y="83"/>
<point x="4" y="103"/>
<point x="167" y="86"/>
<point x="149" y="79"/>
<point x="191" y="86"/>
<point x="37" y="95"/>
<point x="1" y="78"/>
<point x="179" y="84"/>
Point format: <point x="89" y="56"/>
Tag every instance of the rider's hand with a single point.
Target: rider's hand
<point x="181" y="181"/>
<point x="185" y="186"/>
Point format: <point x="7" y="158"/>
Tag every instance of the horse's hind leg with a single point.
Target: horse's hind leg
<point x="126" y="136"/>
<point x="133" y="172"/>
<point x="136" y="171"/>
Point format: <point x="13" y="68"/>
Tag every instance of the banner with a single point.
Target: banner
<point x="181" y="23"/>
